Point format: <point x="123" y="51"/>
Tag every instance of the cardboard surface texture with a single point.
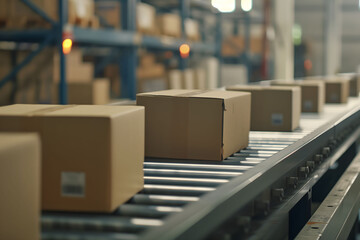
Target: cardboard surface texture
<point x="354" y="85"/>
<point x="20" y="159"/>
<point x="273" y="108"/>
<point x="193" y="124"/>
<point x="169" y="24"/>
<point x="337" y="90"/>
<point x="96" y="92"/>
<point x="312" y="94"/>
<point x="92" y="155"/>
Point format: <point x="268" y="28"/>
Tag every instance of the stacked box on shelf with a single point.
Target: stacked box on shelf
<point x="187" y="79"/>
<point x="20" y="173"/>
<point x="235" y="45"/>
<point x="89" y="161"/>
<point x="109" y="12"/>
<point x="20" y="16"/>
<point x="169" y="24"/>
<point x="82" y="87"/>
<point x="145" y="18"/>
<point x="34" y="81"/>
<point x="150" y="74"/>
<point x="192" y="29"/>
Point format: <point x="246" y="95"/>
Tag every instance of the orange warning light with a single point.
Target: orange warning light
<point x="184" y="50"/>
<point x="307" y="64"/>
<point x="67" y="44"/>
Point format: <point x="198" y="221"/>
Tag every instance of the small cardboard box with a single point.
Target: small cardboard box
<point x="192" y="124"/>
<point x="20" y="160"/>
<point x="169" y="24"/>
<point x="92" y="155"/>
<point x="110" y="11"/>
<point x="96" y="92"/>
<point x="145" y="18"/>
<point x="337" y="90"/>
<point x="354" y="85"/>
<point x="76" y="69"/>
<point x="273" y="108"/>
<point x="192" y="29"/>
<point x="312" y="94"/>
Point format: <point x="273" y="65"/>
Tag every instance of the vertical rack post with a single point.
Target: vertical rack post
<point x="218" y="44"/>
<point x="128" y="59"/>
<point x="247" y="45"/>
<point x="184" y="13"/>
<point x="62" y="21"/>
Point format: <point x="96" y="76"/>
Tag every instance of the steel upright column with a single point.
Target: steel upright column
<point x="284" y="47"/>
<point x="128" y="59"/>
<point x="62" y="22"/>
<point x="184" y="12"/>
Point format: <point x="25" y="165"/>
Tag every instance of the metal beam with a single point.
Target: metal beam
<point x="337" y="213"/>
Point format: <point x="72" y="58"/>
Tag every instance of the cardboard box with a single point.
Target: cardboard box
<point x="151" y="72"/>
<point x="89" y="161"/>
<point x="109" y="11"/>
<point x="80" y="12"/>
<point x="20" y="159"/>
<point x="145" y="18"/>
<point x="96" y="92"/>
<point x="192" y="29"/>
<point x="190" y="124"/>
<point x="235" y="45"/>
<point x="354" y="85"/>
<point x="273" y="108"/>
<point x="337" y="90"/>
<point x="169" y="25"/>
<point x="76" y="69"/>
<point x="147" y="60"/>
<point x="312" y="94"/>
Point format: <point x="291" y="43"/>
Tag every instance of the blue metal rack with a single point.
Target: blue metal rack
<point x="126" y="42"/>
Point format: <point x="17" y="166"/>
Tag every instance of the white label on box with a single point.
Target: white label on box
<point x="73" y="184"/>
<point x="277" y="119"/>
<point x="334" y="97"/>
<point x="308" y="104"/>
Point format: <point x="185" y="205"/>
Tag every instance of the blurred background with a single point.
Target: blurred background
<point x="95" y="51"/>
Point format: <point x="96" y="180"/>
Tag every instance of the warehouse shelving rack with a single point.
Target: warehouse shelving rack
<point x="125" y="41"/>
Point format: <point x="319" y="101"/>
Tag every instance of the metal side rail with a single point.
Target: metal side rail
<point x="185" y="199"/>
<point x="338" y="212"/>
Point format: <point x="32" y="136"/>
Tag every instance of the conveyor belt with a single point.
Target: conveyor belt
<point x="180" y="190"/>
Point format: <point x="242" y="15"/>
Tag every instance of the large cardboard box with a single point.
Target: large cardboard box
<point x="92" y="155"/>
<point x="312" y="94"/>
<point x="190" y="124"/>
<point x="96" y="92"/>
<point x="273" y="108"/>
<point x="169" y="24"/>
<point x="20" y="159"/>
<point x="337" y="90"/>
